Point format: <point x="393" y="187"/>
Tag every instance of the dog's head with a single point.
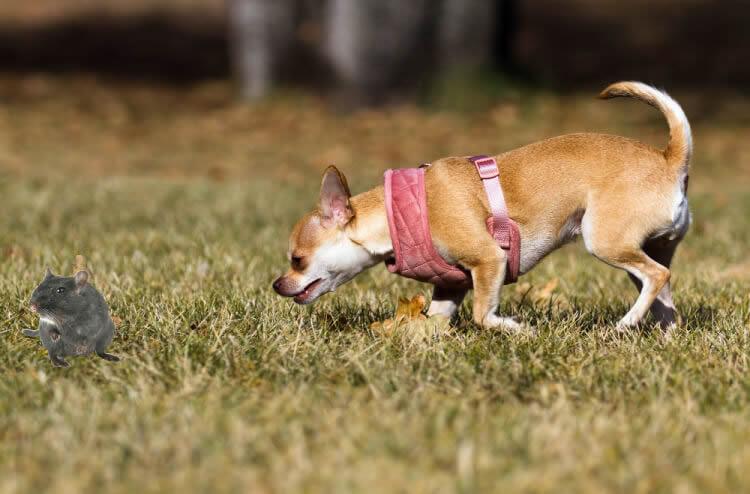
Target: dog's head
<point x="321" y="253"/>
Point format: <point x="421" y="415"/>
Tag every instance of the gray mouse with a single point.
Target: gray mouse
<point x="73" y="318"/>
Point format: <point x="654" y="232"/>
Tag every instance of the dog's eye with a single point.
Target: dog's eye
<point x="61" y="289"/>
<point x="296" y="262"/>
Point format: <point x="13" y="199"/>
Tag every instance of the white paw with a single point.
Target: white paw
<point x="626" y="323"/>
<point x="669" y="326"/>
<point x="436" y="310"/>
<point x="493" y="321"/>
<point x="669" y="332"/>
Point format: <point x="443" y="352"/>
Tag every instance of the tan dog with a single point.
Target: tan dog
<point x="627" y="199"/>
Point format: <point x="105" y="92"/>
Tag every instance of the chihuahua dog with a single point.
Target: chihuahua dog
<point x="626" y="199"/>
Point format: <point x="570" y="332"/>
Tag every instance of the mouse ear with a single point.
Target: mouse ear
<point x="81" y="278"/>
<point x="48" y="274"/>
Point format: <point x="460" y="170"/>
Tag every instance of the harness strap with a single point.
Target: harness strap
<point x="487" y="168"/>
<point x="414" y="254"/>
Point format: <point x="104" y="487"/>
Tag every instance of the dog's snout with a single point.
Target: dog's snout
<point x="277" y="286"/>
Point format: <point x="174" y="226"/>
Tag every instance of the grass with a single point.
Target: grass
<point x="182" y="202"/>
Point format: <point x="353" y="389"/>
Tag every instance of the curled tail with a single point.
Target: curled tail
<point x="680" y="147"/>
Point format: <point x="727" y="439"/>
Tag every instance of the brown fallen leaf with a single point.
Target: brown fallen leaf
<point x="427" y="328"/>
<point x="116" y="320"/>
<point x="407" y="310"/>
<point x="529" y="293"/>
<point x="415" y="330"/>
<point x="411" y="309"/>
<point x="546" y="291"/>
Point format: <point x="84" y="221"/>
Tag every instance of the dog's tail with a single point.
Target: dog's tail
<point x="680" y="147"/>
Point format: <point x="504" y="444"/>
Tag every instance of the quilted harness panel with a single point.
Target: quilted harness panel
<point x="414" y="254"/>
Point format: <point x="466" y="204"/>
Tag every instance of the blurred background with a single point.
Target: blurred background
<point x="242" y="88"/>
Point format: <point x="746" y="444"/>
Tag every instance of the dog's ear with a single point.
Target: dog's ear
<point x="334" y="206"/>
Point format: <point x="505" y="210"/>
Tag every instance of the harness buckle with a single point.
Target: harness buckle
<point x="487" y="168"/>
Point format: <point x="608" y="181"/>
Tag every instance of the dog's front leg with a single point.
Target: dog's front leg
<point x="488" y="283"/>
<point x="445" y="301"/>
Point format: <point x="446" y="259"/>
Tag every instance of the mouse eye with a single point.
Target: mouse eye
<point x="61" y="289"/>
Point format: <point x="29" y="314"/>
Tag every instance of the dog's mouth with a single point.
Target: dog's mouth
<point x="306" y="295"/>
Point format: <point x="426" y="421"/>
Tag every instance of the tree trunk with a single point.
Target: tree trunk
<point x="465" y="33"/>
<point x="370" y="41"/>
<point x="505" y="27"/>
<point x="374" y="46"/>
<point x="259" y="31"/>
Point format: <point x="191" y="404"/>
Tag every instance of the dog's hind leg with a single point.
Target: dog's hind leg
<point x="663" y="308"/>
<point x="624" y="251"/>
<point x="445" y="302"/>
<point x="652" y="275"/>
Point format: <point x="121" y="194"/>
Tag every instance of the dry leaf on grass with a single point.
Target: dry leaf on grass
<point x="543" y="294"/>
<point x="411" y="309"/>
<point x="116" y="320"/>
<point x="427" y="328"/>
<point x="546" y="291"/>
<point x="406" y="310"/>
<point x="410" y="320"/>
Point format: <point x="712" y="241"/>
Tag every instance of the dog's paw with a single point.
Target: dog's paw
<point x="626" y="323"/>
<point x="493" y="321"/>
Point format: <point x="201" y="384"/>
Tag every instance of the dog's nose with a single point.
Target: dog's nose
<point x="277" y="285"/>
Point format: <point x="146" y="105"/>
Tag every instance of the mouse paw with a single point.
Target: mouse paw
<point x="58" y="362"/>
<point x="108" y="356"/>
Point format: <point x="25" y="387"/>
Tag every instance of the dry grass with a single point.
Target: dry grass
<point x="79" y="126"/>
<point x="182" y="201"/>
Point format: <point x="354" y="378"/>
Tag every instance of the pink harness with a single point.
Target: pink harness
<point x="414" y="254"/>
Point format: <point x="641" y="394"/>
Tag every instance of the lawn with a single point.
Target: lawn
<point x="182" y="201"/>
